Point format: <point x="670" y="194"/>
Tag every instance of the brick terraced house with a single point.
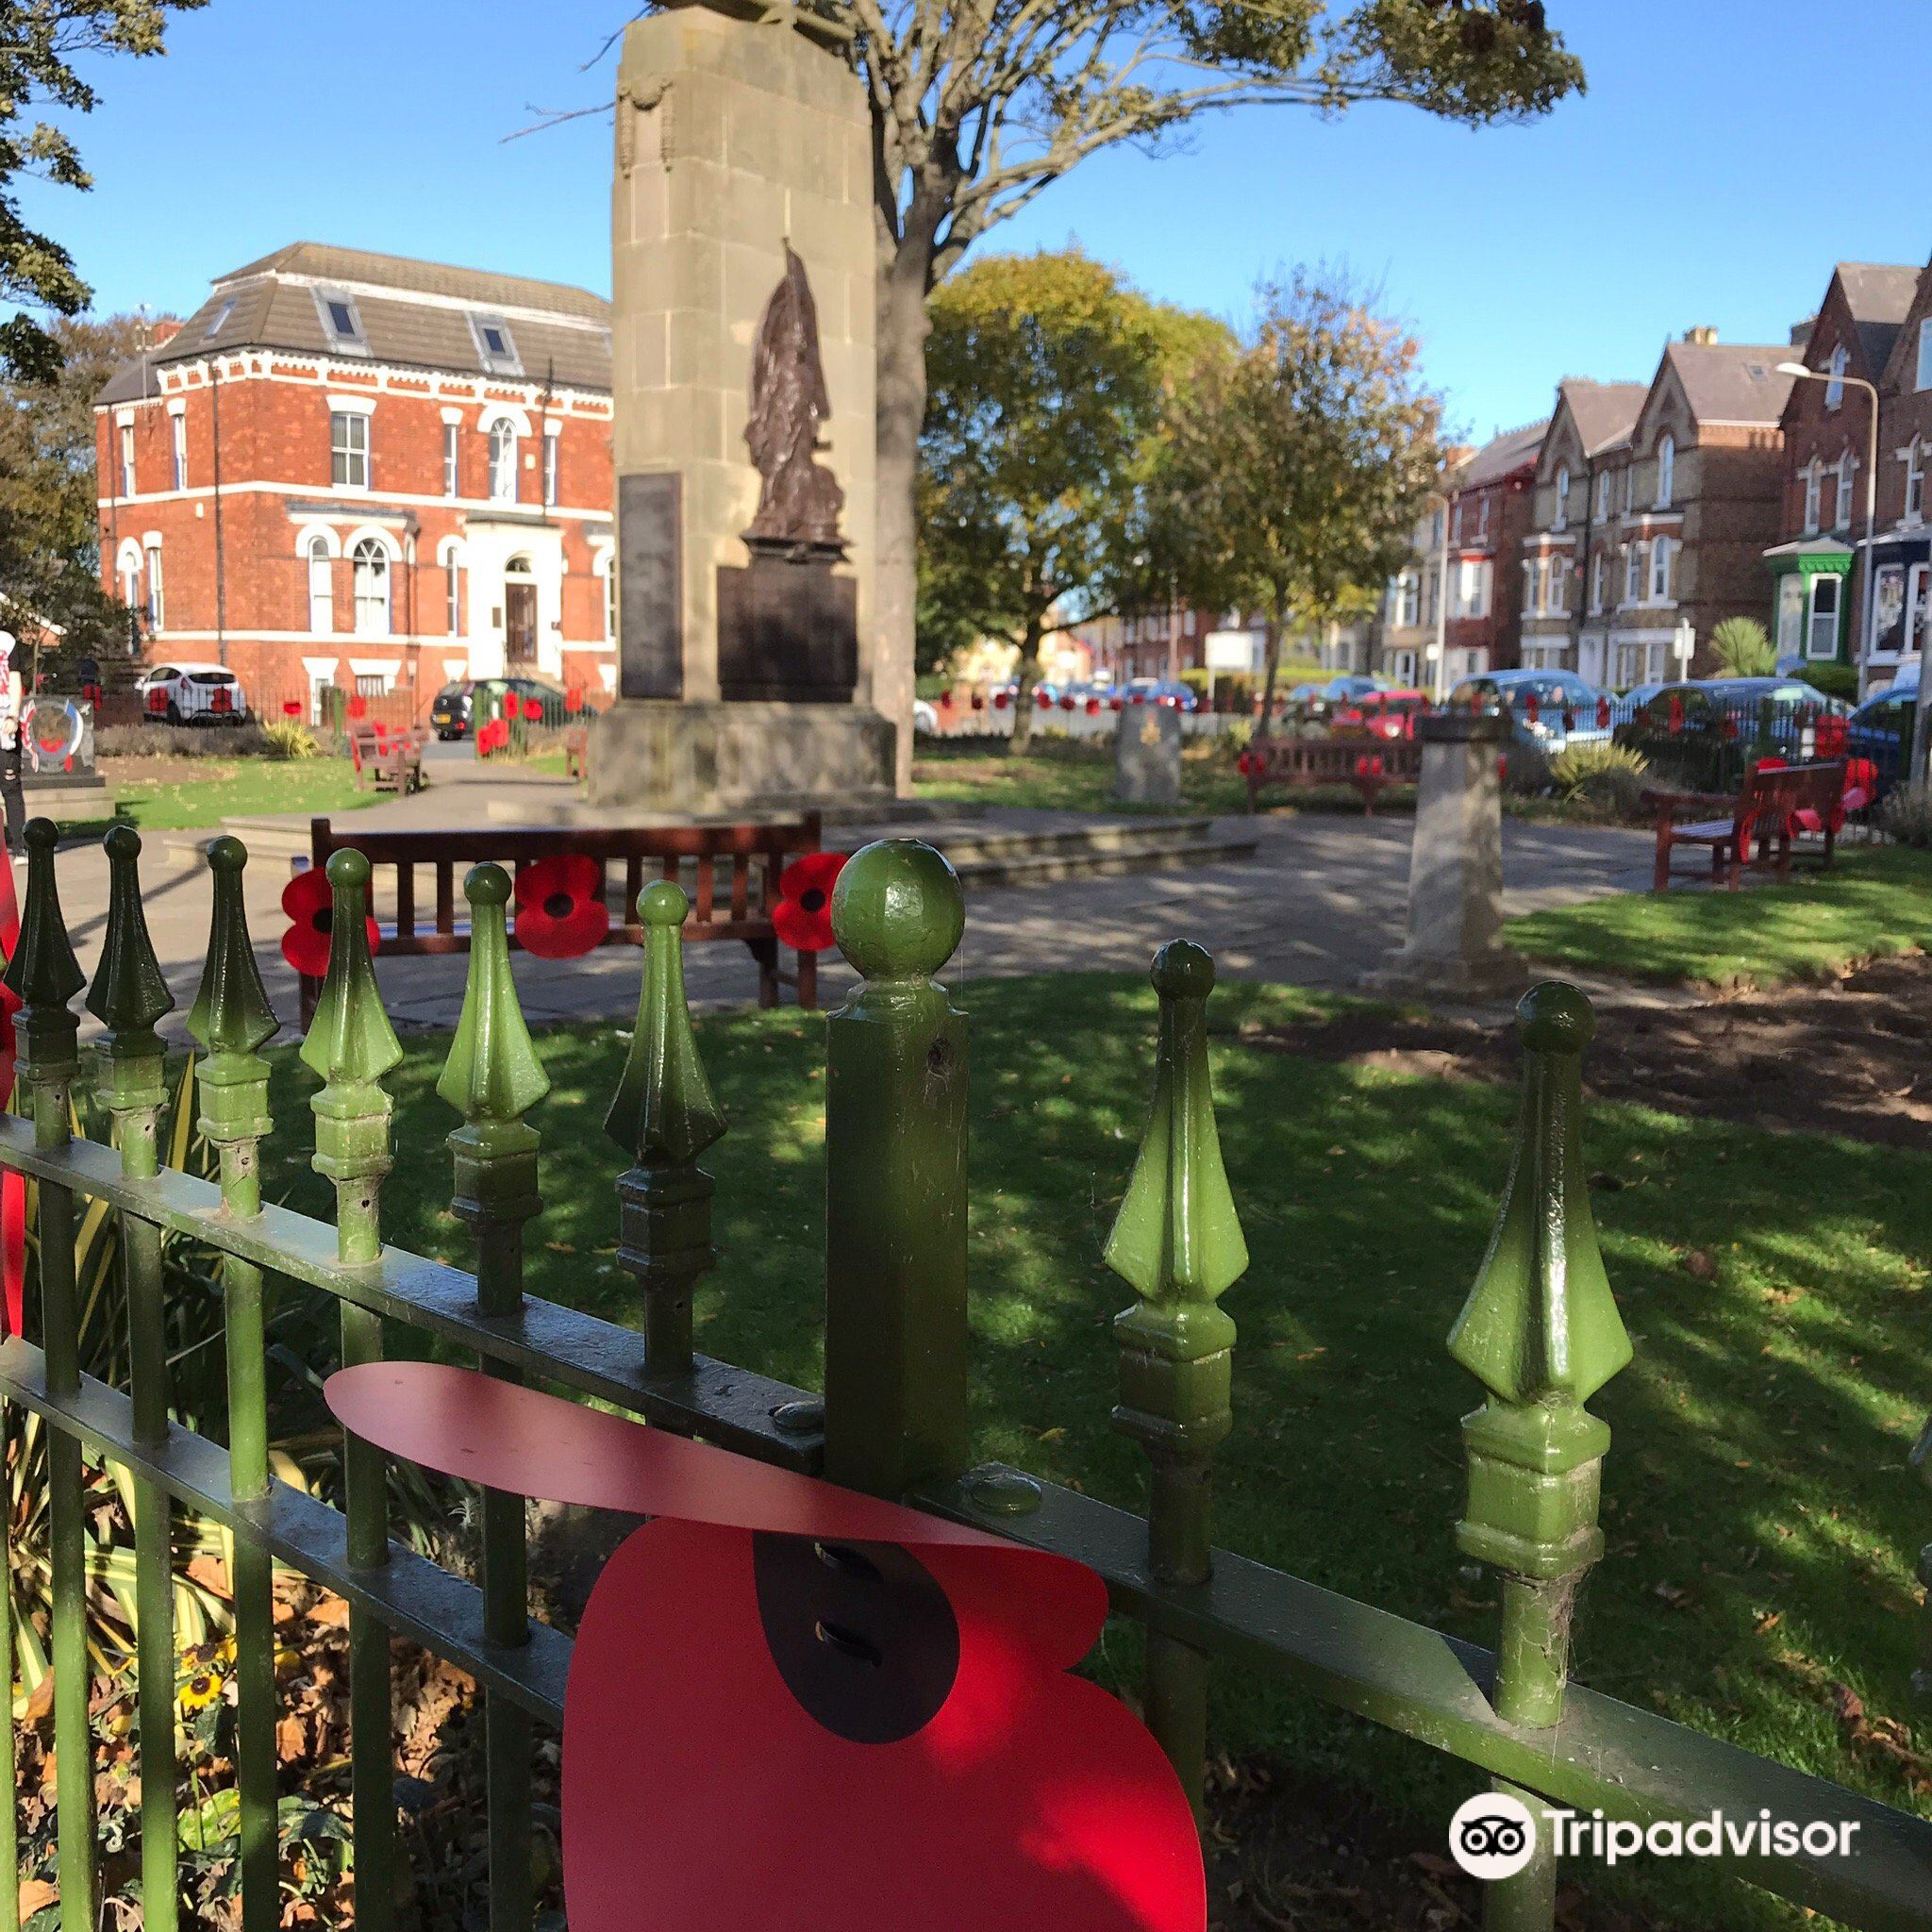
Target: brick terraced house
<point x="354" y="468"/>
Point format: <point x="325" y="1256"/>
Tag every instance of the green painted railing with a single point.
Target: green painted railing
<point x="1539" y="1335"/>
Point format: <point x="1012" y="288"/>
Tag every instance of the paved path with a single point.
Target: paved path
<point x="1320" y="902"/>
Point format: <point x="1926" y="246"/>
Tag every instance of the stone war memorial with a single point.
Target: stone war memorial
<point x="743" y="374"/>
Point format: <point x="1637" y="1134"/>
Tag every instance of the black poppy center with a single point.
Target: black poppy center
<point x="322" y="918"/>
<point x="812" y="899"/>
<point x="560" y="906"/>
<point x="862" y="1633"/>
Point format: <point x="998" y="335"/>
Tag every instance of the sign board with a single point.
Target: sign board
<point x="1232" y="650"/>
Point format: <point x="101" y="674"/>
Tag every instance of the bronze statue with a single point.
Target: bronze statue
<point x="799" y="500"/>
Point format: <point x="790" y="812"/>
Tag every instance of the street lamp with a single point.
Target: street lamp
<point x="1800" y="372"/>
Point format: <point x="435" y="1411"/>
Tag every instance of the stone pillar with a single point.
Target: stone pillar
<point x="1454" y="947"/>
<point x="744" y="145"/>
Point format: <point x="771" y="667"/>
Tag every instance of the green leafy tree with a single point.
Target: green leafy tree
<point x="1743" y="648"/>
<point x="40" y="41"/>
<point x="1050" y="383"/>
<point x="1293" y="480"/>
<point x="977" y="109"/>
<point x="49" y="492"/>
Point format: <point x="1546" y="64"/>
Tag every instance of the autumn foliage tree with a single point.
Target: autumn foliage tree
<point x="1050" y="383"/>
<point x="1291" y="482"/>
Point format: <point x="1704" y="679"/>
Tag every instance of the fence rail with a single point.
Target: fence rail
<point x="1540" y="1333"/>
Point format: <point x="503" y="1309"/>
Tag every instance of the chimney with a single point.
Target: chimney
<point x="1702" y="337"/>
<point x="161" y="333"/>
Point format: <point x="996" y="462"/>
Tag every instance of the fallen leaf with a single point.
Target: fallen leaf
<point x="1699" y="1266"/>
<point x="36" y="1895"/>
<point x="330" y="1612"/>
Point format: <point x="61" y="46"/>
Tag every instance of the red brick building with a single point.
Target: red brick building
<point x="347" y="468"/>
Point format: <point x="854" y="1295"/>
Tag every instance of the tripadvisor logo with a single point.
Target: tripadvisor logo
<point x="1493" y="1835"/>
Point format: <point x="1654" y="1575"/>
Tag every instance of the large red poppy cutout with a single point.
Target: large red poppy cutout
<point x="803" y="916"/>
<point x="561" y="909"/>
<point x="310" y="906"/>
<point x="790" y="1703"/>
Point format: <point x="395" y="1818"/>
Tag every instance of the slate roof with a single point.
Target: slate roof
<point x="1502" y="453"/>
<point x="1879" y="294"/>
<point x="1605" y="412"/>
<point x="1732" y="382"/>
<point x="415" y="314"/>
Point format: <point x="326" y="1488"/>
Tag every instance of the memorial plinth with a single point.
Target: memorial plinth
<point x="743" y="382"/>
<point x="1453" y="948"/>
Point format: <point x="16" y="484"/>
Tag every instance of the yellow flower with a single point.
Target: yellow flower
<point x="198" y="1691"/>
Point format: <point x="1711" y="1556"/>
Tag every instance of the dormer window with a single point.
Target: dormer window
<point x="340" y="322"/>
<point x="495" y="345"/>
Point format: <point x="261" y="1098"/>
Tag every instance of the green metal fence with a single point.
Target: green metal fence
<point x="1539" y="1335"/>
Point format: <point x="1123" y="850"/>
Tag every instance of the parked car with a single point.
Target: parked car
<point x="1700" y="732"/>
<point x="1349" y="685"/>
<point x="1881" y="729"/>
<point x="451" y="712"/>
<point x="1160" y="691"/>
<point x="186" y="692"/>
<point x="1549" y="709"/>
<point x="1382" y="713"/>
<point x="925" y="718"/>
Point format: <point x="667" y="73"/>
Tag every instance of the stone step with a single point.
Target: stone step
<point x="1103" y="860"/>
<point x="968" y="843"/>
<point x="573" y="811"/>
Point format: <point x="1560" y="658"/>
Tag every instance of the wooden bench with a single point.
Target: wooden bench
<point x="1302" y="764"/>
<point x="730" y="872"/>
<point x="391" y="760"/>
<point x="1763" y="812"/>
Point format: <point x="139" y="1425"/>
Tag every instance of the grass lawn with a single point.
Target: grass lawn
<point x="208" y="791"/>
<point x="1760" y="1520"/>
<point x="1065" y="774"/>
<point x="1871" y="904"/>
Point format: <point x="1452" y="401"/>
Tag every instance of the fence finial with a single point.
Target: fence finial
<point x="231" y="1013"/>
<point x="44" y="975"/>
<point x="664" y="1109"/>
<point x="352" y="1045"/>
<point x="129" y="993"/>
<point x="492" y="1076"/>
<point x="664" y="1116"/>
<point x="1542" y="1332"/>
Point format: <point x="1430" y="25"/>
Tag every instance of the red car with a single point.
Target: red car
<point x="1384" y="713"/>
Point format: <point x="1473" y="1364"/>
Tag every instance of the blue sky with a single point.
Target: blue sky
<point x="1705" y="178"/>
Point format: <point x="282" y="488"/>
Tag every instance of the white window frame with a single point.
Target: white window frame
<point x="1563" y="522"/>
<point x="1835" y="389"/>
<point x="1842" y="520"/>
<point x="1915" y="483"/>
<point x="551" y="438"/>
<point x="1603" y="495"/>
<point x="1633" y="573"/>
<point x="1666" y="471"/>
<point x="1811" y="614"/>
<point x="1456" y="522"/>
<point x="127" y="488"/>
<point x="1813" y="490"/>
<point x="1596" y="580"/>
<point x="179" y="421"/>
<point x="348" y="449"/>
<point x="1924" y="368"/>
<point x="503" y="456"/>
<point x="1661" y="550"/>
<point x="156" y="603"/>
<point x="344" y="341"/>
<point x="322" y="584"/>
<point x="371" y="585"/>
<point x="1558" y="592"/>
<point x="453" y="593"/>
<point x="128" y="566"/>
<point x="503" y="361"/>
<point x="452" y="458"/>
<point x="603" y="564"/>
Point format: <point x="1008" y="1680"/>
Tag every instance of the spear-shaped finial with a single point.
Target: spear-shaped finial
<point x="352" y="1045"/>
<point x="664" y="1109"/>
<point x="492" y="1076"/>
<point x="45" y="975"/>
<point x="1541" y="1331"/>
<point x="129" y="995"/>
<point x="665" y="1115"/>
<point x="233" y="1021"/>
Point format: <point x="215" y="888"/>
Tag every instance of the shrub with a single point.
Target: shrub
<point x="1605" y="778"/>
<point x="181" y="741"/>
<point x="289" y="738"/>
<point x="1833" y="680"/>
<point x="1743" y="648"/>
<point x="1905" y="814"/>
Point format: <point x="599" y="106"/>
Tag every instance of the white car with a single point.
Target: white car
<point x="925" y="718"/>
<point x="184" y="692"/>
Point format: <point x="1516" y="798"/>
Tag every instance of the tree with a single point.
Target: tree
<point x="49" y="492"/>
<point x="1743" y="648"/>
<point x="976" y="107"/>
<point x="1048" y="388"/>
<point x="38" y="41"/>
<point x="1295" y="477"/>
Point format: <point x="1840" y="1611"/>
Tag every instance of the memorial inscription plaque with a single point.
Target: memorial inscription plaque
<point x="651" y="621"/>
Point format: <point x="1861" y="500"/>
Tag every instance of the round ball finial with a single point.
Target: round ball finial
<point x="122" y="841"/>
<point x="487" y="885"/>
<point x="663" y="903"/>
<point x="1182" y="970"/>
<point x="226" y="854"/>
<point x="1556" y="1017"/>
<point x="897" y="910"/>
<point x="348" y="868"/>
<point x="42" y="833"/>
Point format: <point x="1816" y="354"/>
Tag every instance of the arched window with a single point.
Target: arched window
<point x="503" y="460"/>
<point x="453" y="590"/>
<point x="155" y="610"/>
<point x="1842" y="521"/>
<point x="1665" y="471"/>
<point x="1835" y="389"/>
<point x="1562" y="499"/>
<point x="603" y="564"/>
<point x="371" y="561"/>
<point x="127" y="568"/>
<point x="321" y="588"/>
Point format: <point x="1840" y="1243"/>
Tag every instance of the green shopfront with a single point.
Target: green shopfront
<point x="1810" y="599"/>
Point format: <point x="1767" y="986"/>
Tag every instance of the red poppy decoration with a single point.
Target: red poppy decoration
<point x="1675" y="714"/>
<point x="13" y="1184"/>
<point x="157" y="700"/>
<point x="945" y="701"/>
<point x="310" y="906"/>
<point x="573" y="700"/>
<point x="358" y="707"/>
<point x="1832" y="736"/>
<point x="803" y="916"/>
<point x="836" y="1687"/>
<point x="292" y="707"/>
<point x="561" y="909"/>
<point x="1602" y="714"/>
<point x="1370" y="765"/>
<point x="533" y="710"/>
<point x="1001" y="699"/>
<point x="979" y="701"/>
<point x="1093" y="707"/>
